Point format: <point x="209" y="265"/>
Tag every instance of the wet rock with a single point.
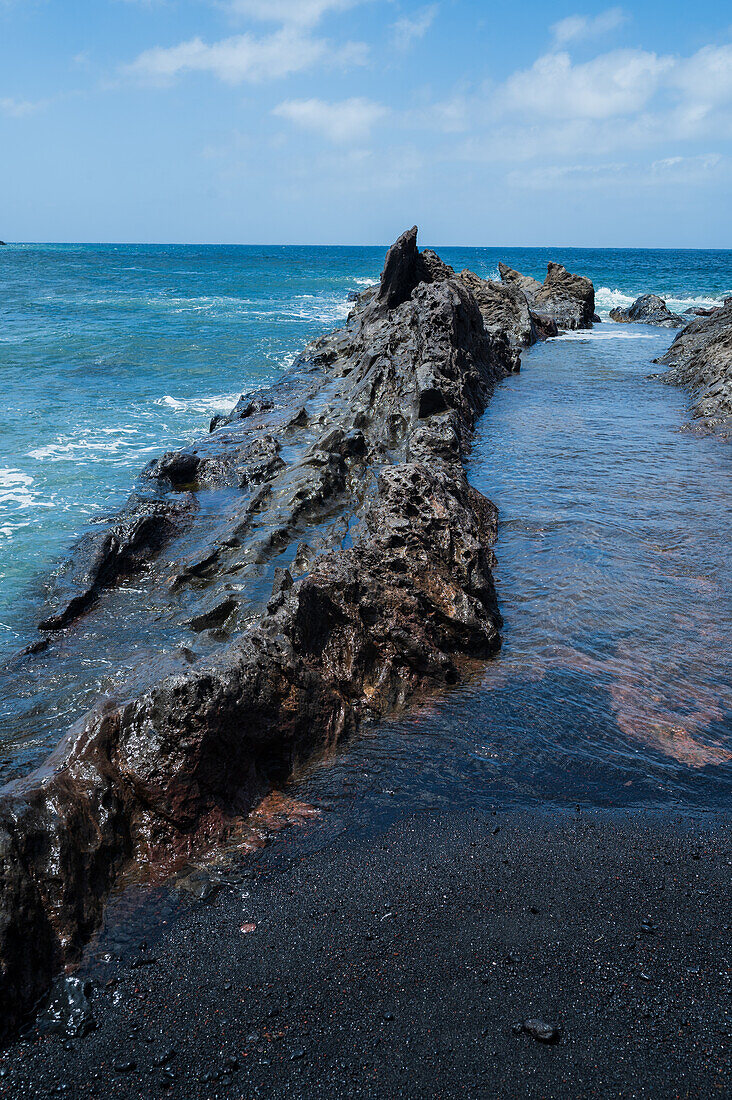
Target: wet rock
<point x="68" y="1010"/>
<point x="542" y="1031"/>
<point x="216" y="617"/>
<point x="568" y="299"/>
<point x="394" y="595"/>
<point x="544" y="326"/>
<point x="649" y="309"/>
<point x="200" y="885"/>
<point x="700" y="359"/>
<point x="700" y="311"/>
<point x="177" y="467"/>
<point x="102" y="557"/>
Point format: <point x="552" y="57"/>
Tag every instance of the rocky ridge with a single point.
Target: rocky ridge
<point x="320" y="556"/>
<point x="563" y="299"/>
<point x="312" y="563"/>
<point x="700" y="359"/>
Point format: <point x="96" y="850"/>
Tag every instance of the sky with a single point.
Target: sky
<point x="345" y="121"/>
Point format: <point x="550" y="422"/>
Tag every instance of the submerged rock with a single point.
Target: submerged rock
<point x="700" y="359"/>
<point x="347" y="476"/>
<point x="649" y="309"/>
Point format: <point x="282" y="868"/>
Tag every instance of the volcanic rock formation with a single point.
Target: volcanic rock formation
<point x="313" y="562"/>
<point x="649" y="309"/>
<point x="700" y="359"/>
<point x="565" y="299"/>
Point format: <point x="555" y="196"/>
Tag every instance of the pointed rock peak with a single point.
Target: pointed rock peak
<point x="403" y="270"/>
<point x="525" y="283"/>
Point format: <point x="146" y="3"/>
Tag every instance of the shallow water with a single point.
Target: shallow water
<point x="614" y="561"/>
<point x="614" y="683"/>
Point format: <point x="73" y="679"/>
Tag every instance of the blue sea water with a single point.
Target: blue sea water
<point x="614" y="560"/>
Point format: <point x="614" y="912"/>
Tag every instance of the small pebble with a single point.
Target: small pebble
<point x="541" y="1030"/>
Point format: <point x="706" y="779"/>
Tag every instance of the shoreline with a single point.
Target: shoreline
<point x="407" y="961"/>
<point x="448" y="401"/>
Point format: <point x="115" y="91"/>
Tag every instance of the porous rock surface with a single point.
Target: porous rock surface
<point x="700" y="359"/>
<point x="314" y="561"/>
<point x="563" y="299"/>
<point x="649" y="309"/>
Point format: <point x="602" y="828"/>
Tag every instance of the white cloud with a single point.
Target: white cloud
<point x="19" y="108"/>
<point x="616" y="83"/>
<point x="244" y="57"/>
<point x="349" y="120"/>
<point x="577" y="27"/>
<point x="407" y="30"/>
<point x="706" y="76"/>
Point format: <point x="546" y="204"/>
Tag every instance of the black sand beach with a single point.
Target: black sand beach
<point x="405" y="963"/>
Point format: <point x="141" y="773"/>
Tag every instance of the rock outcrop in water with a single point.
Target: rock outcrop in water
<point x="564" y="299"/>
<point x="313" y="562"/>
<point x="649" y="309"/>
<point x="700" y="359"/>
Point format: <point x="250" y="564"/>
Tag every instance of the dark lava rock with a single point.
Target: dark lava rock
<point x="700" y="359"/>
<point x="529" y="286"/>
<point x="402" y="270"/>
<point x="544" y="326"/>
<point x="541" y="1031"/>
<point x="649" y="309"/>
<point x="68" y="1010"/>
<point x="504" y="309"/>
<point x="567" y="300"/>
<point x="390" y="593"/>
<point x="102" y="557"/>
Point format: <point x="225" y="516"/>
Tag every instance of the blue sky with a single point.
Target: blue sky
<point x="343" y="121"/>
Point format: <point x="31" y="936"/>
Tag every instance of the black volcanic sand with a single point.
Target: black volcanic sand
<point x="403" y="964"/>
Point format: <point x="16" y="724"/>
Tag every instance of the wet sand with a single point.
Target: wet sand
<point x="404" y="962"/>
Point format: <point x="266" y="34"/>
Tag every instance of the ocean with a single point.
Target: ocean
<point x="110" y="355"/>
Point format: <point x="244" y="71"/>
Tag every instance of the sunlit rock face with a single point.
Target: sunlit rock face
<point x="317" y="559"/>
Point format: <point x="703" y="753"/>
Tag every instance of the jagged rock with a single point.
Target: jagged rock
<point x="700" y="359"/>
<point x="350" y="468"/>
<point x="103" y="556"/>
<point x="567" y="299"/>
<point x="402" y="270"/>
<point x="649" y="309"/>
<point x="504" y="308"/>
<point x="434" y="268"/>
<point x="544" y="326"/>
<point x="525" y="283"/>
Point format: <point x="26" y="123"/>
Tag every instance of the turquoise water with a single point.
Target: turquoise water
<point x="615" y="568"/>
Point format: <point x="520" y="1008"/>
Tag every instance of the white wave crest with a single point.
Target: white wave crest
<point x="223" y="402"/>
<point x="615" y="333"/>
<point x="607" y="299"/>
